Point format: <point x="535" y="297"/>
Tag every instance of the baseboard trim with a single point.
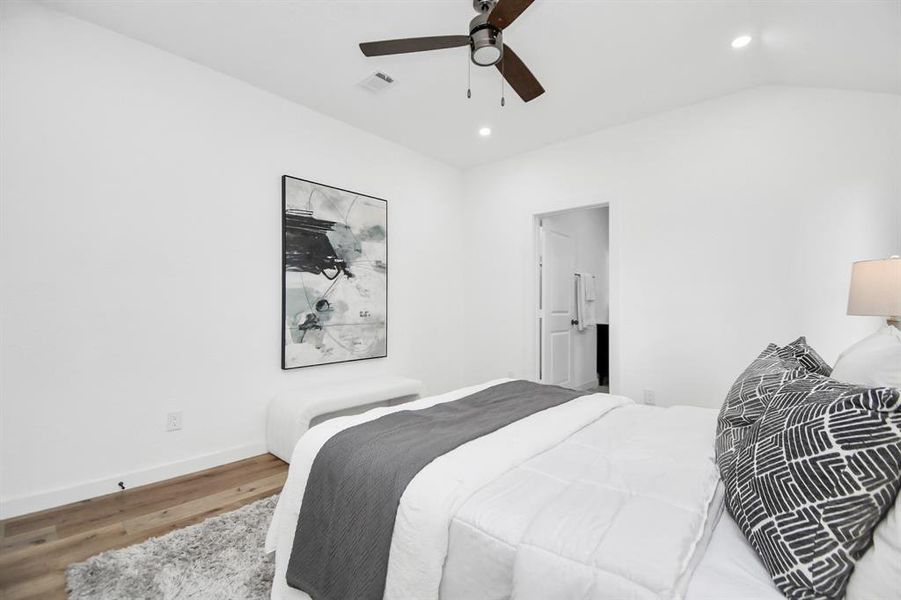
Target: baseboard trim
<point x="588" y="385"/>
<point x="20" y="505"/>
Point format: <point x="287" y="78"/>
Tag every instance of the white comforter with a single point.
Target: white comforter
<point x="596" y="498"/>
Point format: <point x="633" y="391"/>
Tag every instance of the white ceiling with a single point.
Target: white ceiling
<point x="602" y="62"/>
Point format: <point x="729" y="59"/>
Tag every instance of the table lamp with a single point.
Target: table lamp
<point x="876" y="289"/>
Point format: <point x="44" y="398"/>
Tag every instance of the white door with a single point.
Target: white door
<point x="558" y="263"/>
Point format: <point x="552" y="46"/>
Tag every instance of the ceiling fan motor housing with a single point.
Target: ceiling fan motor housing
<point x="485" y="41"/>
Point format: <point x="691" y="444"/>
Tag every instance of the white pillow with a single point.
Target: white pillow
<point x="877" y="575"/>
<point x="874" y="361"/>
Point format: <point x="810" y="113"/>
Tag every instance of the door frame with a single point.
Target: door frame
<point x="534" y="319"/>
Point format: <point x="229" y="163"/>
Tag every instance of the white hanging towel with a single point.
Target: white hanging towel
<point x="585" y="307"/>
<point x="591" y="292"/>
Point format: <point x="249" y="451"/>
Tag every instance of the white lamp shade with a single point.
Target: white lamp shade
<point x="876" y="288"/>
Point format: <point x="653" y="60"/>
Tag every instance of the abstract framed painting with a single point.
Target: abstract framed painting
<point x="334" y="275"/>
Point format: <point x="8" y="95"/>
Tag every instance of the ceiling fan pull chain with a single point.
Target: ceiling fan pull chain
<point x="468" y="78"/>
<point x="503" y="80"/>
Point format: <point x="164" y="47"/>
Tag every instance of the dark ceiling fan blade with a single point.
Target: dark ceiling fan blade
<point x="518" y="75"/>
<point x="406" y="45"/>
<point x="506" y="11"/>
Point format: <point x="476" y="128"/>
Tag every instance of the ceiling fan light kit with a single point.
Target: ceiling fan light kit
<point x="485" y="41"/>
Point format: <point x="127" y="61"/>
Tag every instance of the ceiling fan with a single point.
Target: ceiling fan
<point x="485" y="41"/>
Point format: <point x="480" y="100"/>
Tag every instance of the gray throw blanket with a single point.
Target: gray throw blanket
<point x="346" y="522"/>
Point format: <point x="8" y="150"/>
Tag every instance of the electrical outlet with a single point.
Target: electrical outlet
<point x="173" y="421"/>
<point x="650" y="397"/>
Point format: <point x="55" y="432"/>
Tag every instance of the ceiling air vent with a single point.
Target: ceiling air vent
<point x="377" y="82"/>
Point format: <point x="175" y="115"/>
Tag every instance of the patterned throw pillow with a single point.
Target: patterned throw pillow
<point x="812" y="479"/>
<point x="807" y="356"/>
<point x="747" y="400"/>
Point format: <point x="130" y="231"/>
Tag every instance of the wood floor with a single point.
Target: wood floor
<point x="36" y="548"/>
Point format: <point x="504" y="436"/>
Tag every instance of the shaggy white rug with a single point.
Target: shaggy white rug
<point x="220" y="558"/>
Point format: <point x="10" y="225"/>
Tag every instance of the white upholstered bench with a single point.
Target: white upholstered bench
<point x="292" y="412"/>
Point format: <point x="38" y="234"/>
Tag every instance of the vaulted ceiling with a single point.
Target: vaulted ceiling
<point x="603" y="62"/>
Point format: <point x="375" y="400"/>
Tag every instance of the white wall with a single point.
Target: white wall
<point x="140" y="258"/>
<point x="733" y="223"/>
<point x="589" y="231"/>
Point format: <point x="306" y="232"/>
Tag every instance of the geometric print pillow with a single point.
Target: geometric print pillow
<point x="807" y="356"/>
<point x="812" y="479"/>
<point x="748" y="398"/>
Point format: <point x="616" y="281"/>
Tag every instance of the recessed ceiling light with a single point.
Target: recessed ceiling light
<point x="485" y="131"/>
<point x="741" y="41"/>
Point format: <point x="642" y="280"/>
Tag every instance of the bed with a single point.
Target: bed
<point x="598" y="497"/>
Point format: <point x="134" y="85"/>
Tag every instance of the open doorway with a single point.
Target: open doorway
<point x="574" y="298"/>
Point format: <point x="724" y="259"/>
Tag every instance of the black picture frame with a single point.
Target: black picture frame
<point x="284" y="248"/>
